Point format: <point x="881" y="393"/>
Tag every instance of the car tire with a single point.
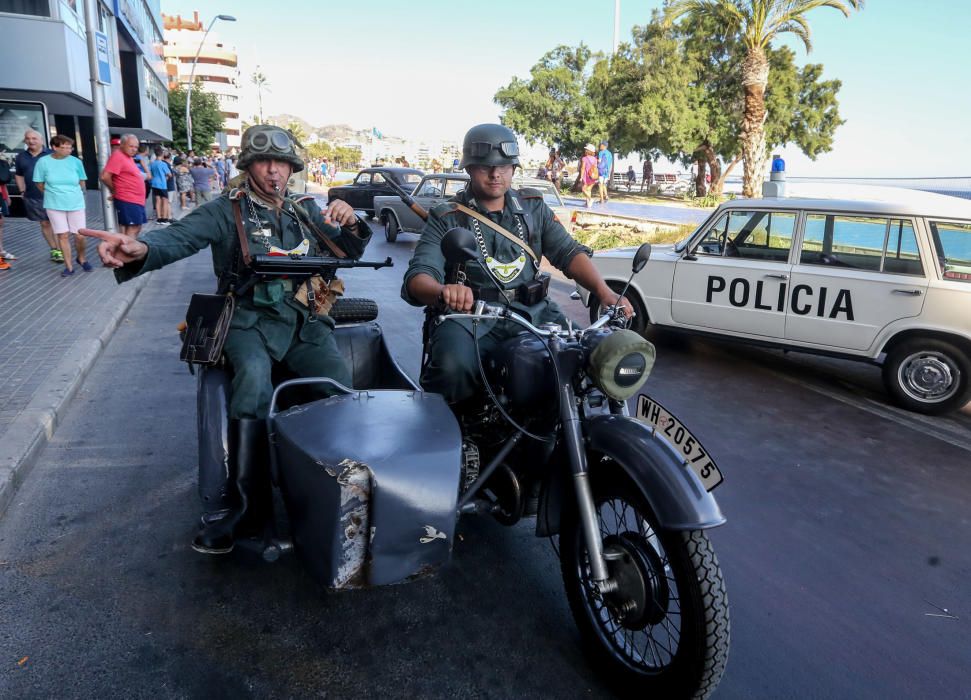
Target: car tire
<point x="641" y="319"/>
<point x="928" y="375"/>
<point x="391" y="227"/>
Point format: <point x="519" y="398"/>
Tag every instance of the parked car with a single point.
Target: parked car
<point x="888" y="283"/>
<point x="433" y="189"/>
<point x="436" y="188"/>
<point x="371" y="182"/>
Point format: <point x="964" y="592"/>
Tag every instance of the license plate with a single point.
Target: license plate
<point x="688" y="447"/>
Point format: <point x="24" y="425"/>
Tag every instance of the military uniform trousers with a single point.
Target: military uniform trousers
<point x="452" y="368"/>
<point x="252" y="364"/>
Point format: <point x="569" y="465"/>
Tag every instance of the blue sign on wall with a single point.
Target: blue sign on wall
<point x="104" y="60"/>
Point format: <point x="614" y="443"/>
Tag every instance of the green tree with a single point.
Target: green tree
<point x="320" y="149"/>
<point x="756" y="23"/>
<point x="207" y="118"/>
<point x="555" y="107"/>
<point x="297" y="131"/>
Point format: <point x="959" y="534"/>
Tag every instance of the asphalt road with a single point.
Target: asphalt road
<point x="847" y="541"/>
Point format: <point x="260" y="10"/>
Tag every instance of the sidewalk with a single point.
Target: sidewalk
<point x="53" y="330"/>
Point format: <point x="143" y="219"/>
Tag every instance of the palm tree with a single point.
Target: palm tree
<point x="262" y="83"/>
<point x="758" y="22"/>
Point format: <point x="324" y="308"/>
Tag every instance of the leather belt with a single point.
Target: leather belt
<point x="492" y="294"/>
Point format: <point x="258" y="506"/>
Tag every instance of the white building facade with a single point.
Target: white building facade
<point x="217" y="68"/>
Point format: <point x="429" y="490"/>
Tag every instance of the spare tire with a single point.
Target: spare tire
<point x="354" y="310"/>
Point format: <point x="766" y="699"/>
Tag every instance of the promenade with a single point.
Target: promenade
<point x="54" y="329"/>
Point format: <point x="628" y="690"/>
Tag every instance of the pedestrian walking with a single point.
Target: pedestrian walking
<point x="33" y="198"/>
<point x="202" y="181"/>
<point x="589" y="173"/>
<point x="6" y="175"/>
<point x="648" y="174"/>
<point x="631" y="177"/>
<point x="183" y="181"/>
<point x="160" y="187"/>
<point x="61" y="178"/>
<point x="5" y="256"/>
<point x="605" y="166"/>
<point x="127" y="182"/>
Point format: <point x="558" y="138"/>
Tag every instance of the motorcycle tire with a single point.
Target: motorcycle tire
<point x="644" y="650"/>
<point x="354" y="310"/>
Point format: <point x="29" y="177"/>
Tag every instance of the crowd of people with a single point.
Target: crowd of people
<point x="595" y="170"/>
<point x="322" y="171"/>
<point x="52" y="182"/>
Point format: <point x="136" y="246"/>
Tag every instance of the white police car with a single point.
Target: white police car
<point x="880" y="281"/>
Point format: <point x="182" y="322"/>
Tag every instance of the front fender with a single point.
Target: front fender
<point x="673" y="491"/>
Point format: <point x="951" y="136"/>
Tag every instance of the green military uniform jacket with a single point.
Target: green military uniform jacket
<point x="269" y="306"/>
<point x="544" y="234"/>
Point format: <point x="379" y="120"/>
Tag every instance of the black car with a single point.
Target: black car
<point x="371" y="182"/>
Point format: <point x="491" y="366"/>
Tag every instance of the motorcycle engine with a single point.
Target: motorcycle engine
<point x="470" y="464"/>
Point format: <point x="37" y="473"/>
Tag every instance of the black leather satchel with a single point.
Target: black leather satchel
<point x="206" y="327"/>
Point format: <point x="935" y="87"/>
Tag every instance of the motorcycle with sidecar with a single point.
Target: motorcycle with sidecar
<point x="375" y="478"/>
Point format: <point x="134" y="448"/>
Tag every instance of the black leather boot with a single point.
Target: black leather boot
<point x="249" y="462"/>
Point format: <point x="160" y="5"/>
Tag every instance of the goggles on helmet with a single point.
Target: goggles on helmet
<point x="264" y="141"/>
<point x="480" y="149"/>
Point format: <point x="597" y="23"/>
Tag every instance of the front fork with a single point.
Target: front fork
<point x="573" y="437"/>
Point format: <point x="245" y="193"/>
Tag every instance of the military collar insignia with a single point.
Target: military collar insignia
<point x="515" y="202"/>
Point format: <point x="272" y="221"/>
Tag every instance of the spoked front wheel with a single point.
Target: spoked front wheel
<point x="665" y="631"/>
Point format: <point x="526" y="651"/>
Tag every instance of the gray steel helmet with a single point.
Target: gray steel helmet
<point x="490" y="144"/>
<point x="265" y="141"/>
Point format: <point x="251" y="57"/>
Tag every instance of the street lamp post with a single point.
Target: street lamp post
<point x="192" y="77"/>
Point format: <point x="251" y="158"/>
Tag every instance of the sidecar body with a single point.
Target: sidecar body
<point x="370" y="476"/>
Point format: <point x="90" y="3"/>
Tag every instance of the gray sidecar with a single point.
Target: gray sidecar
<point x="370" y="476"/>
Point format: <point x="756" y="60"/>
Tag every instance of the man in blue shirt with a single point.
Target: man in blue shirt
<point x="33" y="197"/>
<point x="605" y="165"/>
<point x="161" y="172"/>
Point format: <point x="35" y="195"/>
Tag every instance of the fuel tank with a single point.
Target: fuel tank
<point x="370" y="481"/>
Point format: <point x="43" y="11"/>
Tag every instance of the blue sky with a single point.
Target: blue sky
<point x="430" y="69"/>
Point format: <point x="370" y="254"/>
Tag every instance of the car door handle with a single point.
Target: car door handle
<point x="778" y="276"/>
<point x="908" y="292"/>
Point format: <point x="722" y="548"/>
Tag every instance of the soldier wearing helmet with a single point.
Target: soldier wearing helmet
<point x="490" y="155"/>
<point x="270" y="326"/>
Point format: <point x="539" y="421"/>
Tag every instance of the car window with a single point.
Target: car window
<point x="363" y="179"/>
<point x="453" y="187"/>
<point x="902" y="257"/>
<point x="861" y="243"/>
<point x="409" y="179"/>
<point x="755" y="235"/>
<point x="952" y="241"/>
<point x="432" y="187"/>
<point x="377" y="179"/>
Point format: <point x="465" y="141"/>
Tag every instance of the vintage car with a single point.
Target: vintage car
<point x="887" y="282"/>
<point x="371" y="182"/>
<point x="433" y="189"/>
<point x="436" y="188"/>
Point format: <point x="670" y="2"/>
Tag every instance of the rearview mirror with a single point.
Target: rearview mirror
<point x="641" y="257"/>
<point x="458" y="246"/>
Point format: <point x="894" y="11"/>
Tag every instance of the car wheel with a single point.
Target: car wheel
<point x="640" y="321"/>
<point x="391" y="228"/>
<point x="927" y="375"/>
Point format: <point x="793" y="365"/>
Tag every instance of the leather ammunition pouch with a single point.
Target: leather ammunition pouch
<point x="528" y="293"/>
<point x="206" y="327"/>
<point x="325" y="293"/>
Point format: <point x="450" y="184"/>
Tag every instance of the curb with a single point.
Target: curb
<point x="34" y="427"/>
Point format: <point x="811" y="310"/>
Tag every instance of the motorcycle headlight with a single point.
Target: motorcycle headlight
<point x="621" y="363"/>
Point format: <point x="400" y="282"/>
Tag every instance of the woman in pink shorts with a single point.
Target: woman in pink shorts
<point x="61" y="177"/>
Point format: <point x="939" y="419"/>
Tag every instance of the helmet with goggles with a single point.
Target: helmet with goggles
<point x="489" y="145"/>
<point x="268" y="142"/>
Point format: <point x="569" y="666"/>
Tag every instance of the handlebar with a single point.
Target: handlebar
<point x="485" y="311"/>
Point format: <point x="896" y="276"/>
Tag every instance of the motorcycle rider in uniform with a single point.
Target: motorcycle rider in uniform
<point x="490" y="155"/>
<point x="269" y="326"/>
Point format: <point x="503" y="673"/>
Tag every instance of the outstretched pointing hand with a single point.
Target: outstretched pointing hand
<point x="116" y="249"/>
